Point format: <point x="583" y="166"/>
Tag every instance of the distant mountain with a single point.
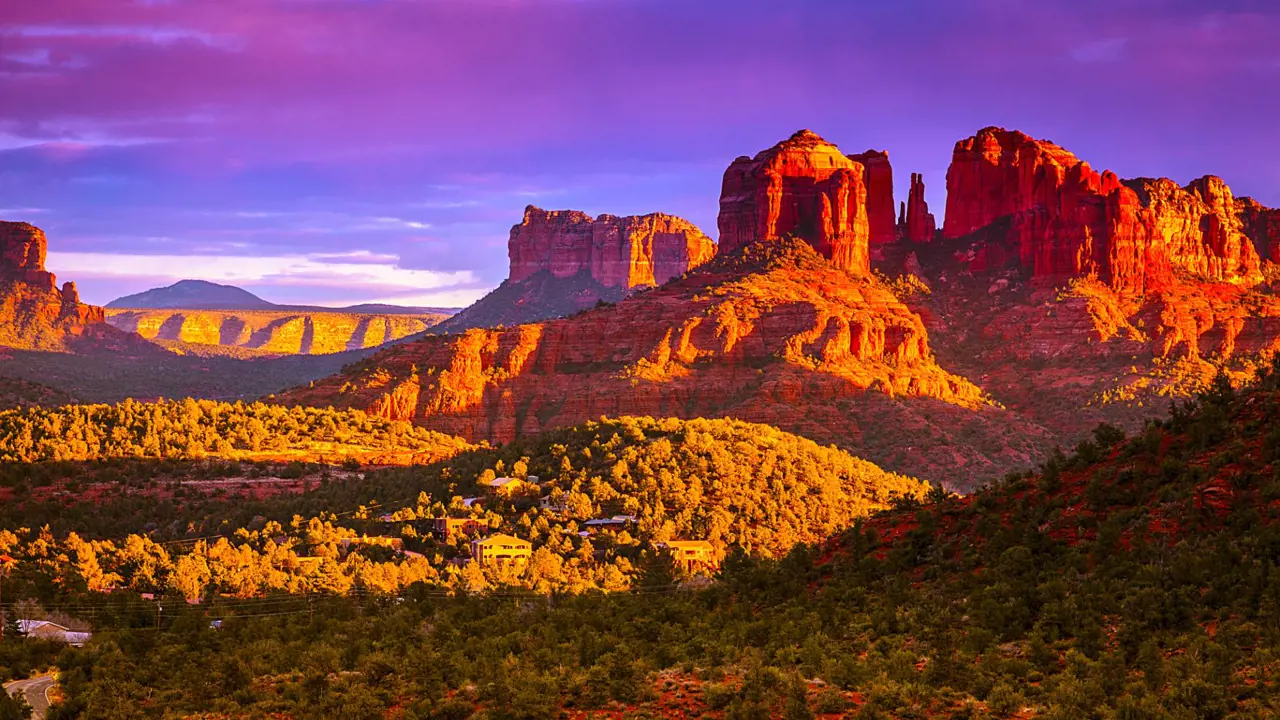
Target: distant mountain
<point x="205" y="295"/>
<point x="193" y="295"/>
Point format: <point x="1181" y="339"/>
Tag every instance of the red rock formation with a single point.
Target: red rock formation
<point x="22" y="253"/>
<point x="1262" y="225"/>
<point x="916" y="223"/>
<point x="622" y="252"/>
<point x="34" y="314"/>
<point x="1069" y="221"/>
<point x="803" y="186"/>
<point x="879" y="180"/>
<point x="772" y="334"/>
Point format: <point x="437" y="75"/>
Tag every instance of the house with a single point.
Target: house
<point x="447" y="528"/>
<point x="550" y="503"/>
<point x="506" y="486"/>
<point x="693" y="556"/>
<point x="617" y="522"/>
<point x="468" y="502"/>
<point x="48" y="630"/>
<point x="501" y="549"/>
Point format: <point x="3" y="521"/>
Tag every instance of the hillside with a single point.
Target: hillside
<point x="281" y="332"/>
<point x="199" y="429"/>
<point x="15" y="393"/>
<point x="1130" y="580"/>
<point x="192" y="294"/>
<point x="740" y="487"/>
<point x="771" y="334"/>
<point x="205" y="295"/>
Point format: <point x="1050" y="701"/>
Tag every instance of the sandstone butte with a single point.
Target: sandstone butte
<point x="783" y="330"/>
<point x="1066" y="220"/>
<point x="563" y="261"/>
<point x="272" y="331"/>
<point x="804" y="186"/>
<point x="35" y="314"/>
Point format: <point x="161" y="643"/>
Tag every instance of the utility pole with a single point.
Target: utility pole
<point x="5" y="562"/>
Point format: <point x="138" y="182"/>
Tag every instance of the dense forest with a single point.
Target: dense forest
<point x="739" y="486"/>
<point x="194" y="429"/>
<point x="1135" y="579"/>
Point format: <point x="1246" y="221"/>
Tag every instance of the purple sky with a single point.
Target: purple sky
<point x="341" y="151"/>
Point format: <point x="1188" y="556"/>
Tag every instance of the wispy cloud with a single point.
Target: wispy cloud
<point x="141" y="33"/>
<point x="365" y="276"/>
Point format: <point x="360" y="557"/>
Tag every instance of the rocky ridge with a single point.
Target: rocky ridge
<point x="272" y="331"/>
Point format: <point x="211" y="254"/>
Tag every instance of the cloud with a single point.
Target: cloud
<point x="355" y="278"/>
<point x="149" y="34"/>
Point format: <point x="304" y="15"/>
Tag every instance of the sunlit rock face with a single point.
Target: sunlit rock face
<point x="34" y="313"/>
<point x="1067" y="220"/>
<point x="617" y="252"/>
<point x="804" y="186"/>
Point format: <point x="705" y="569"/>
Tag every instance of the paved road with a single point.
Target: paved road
<point x="34" y="690"/>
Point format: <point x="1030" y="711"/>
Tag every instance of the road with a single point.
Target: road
<point x="35" y="690"/>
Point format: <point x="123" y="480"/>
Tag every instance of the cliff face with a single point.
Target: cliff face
<point x="803" y="186"/>
<point x="879" y="180"/>
<point x="768" y="333"/>
<point x="34" y="313"/>
<point x="564" y="261"/>
<point x="272" y="332"/>
<point x="1262" y="225"/>
<point x="617" y="252"/>
<point x="1067" y="221"/>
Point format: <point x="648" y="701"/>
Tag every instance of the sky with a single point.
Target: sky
<point x="343" y="151"/>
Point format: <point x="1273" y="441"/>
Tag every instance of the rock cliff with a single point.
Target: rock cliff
<point x="879" y="180"/>
<point x="1262" y="225"/>
<point x="272" y="331"/>
<point x="1066" y="220"/>
<point x="617" y="252"/>
<point x="34" y="313"/>
<point x="803" y="186"/>
<point x="564" y="261"/>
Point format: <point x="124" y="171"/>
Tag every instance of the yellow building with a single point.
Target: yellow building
<point x="506" y="487"/>
<point x="500" y="549"/>
<point x="448" y="528"/>
<point x="693" y="555"/>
